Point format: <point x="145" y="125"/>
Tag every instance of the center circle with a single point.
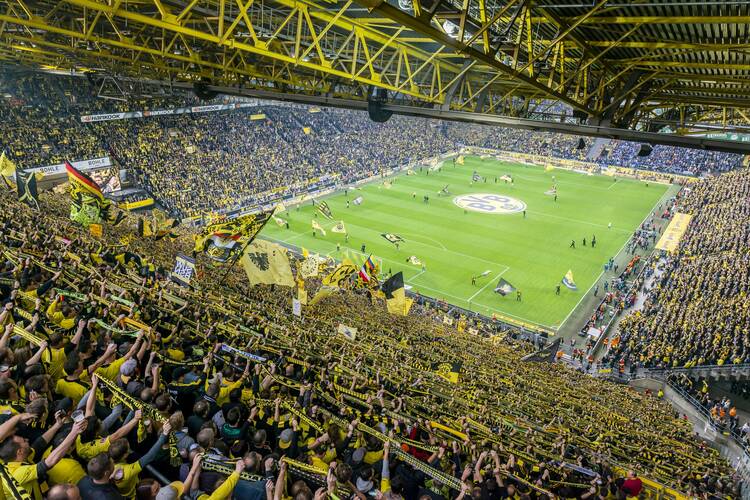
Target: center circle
<point x="488" y="203"/>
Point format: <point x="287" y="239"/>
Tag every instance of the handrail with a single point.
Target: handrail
<point x="682" y="369"/>
<point x="733" y="434"/>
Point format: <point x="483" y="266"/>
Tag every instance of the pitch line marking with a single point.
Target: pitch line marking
<point x="596" y="281"/>
<point x="489" y="308"/>
<point x="486" y="284"/>
<point x="426" y="238"/>
<point x="417" y="275"/>
<point x="582" y="221"/>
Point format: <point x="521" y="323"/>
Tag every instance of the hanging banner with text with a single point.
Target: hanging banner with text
<point x="676" y="228"/>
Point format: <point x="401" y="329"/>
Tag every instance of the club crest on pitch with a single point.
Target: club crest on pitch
<point x="489" y="203"/>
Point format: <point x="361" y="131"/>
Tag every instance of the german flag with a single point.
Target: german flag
<point x="88" y="205"/>
<point x="82" y="182"/>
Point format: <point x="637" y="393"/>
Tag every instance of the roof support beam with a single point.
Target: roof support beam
<point x="405" y="19"/>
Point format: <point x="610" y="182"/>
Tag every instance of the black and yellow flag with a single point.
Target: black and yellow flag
<point x="145" y="229"/>
<point x="27" y="190"/>
<point x="325" y="210"/>
<point x="395" y="295"/>
<point x="448" y="371"/>
<point x="267" y="262"/>
<point x="219" y="240"/>
<point x="393" y="238"/>
<point x="88" y="204"/>
<point x="339" y="277"/>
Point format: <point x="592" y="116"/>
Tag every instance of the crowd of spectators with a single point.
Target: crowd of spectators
<point x="670" y="159"/>
<point x="107" y="368"/>
<point x="698" y="312"/>
<point x="193" y="163"/>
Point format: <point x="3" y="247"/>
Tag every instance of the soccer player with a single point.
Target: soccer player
<point x="593" y="241"/>
<point x="584" y="241"/>
<point x="363" y="248"/>
<point x="572" y="243"/>
<point x="557" y="289"/>
<point x="518" y="295"/>
<point x="473" y="281"/>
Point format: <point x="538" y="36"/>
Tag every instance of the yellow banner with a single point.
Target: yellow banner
<point x="132" y="205"/>
<point x="674" y="232"/>
<point x="258" y="116"/>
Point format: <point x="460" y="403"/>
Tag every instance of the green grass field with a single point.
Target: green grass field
<point x="455" y="244"/>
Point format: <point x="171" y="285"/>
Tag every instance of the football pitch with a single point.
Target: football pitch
<point x="480" y="229"/>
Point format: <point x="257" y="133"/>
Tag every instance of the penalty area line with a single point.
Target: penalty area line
<point x="487" y="284"/>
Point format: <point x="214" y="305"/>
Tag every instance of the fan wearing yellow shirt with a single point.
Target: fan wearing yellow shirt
<point x="64" y="317"/>
<point x="70" y="386"/>
<point x="112" y="370"/>
<point x="91" y="443"/>
<point x="16" y="452"/>
<point x="127" y="479"/>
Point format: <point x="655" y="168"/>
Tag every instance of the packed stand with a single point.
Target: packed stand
<point x="224" y="161"/>
<point x="697" y="312"/>
<point x="107" y="368"/>
<point x="199" y="163"/>
<point x="670" y="159"/>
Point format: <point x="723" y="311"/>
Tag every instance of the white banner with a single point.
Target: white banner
<point x="110" y="116"/>
<point x="159" y="112"/>
<point x="212" y="107"/>
<point x="162" y="112"/>
<point x="82" y="165"/>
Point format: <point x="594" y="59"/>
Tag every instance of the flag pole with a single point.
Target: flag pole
<point x="239" y="255"/>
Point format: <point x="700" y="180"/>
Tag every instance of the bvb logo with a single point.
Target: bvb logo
<point x="489" y="203"/>
<point x="444" y="369"/>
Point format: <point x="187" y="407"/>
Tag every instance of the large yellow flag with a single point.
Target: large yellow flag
<point x="318" y="227"/>
<point x="395" y="296"/>
<point x="7" y="167"/>
<point x="340" y="275"/>
<point x="266" y="262"/>
<point x="322" y="293"/>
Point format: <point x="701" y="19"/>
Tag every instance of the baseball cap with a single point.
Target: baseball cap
<point x="127" y="370"/>
<point x="285" y="439"/>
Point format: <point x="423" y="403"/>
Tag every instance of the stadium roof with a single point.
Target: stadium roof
<point x="683" y="64"/>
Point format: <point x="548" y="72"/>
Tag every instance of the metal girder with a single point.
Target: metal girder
<point x="668" y="20"/>
<point x="423" y="26"/>
<point x="286" y="42"/>
<point x="496" y="56"/>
